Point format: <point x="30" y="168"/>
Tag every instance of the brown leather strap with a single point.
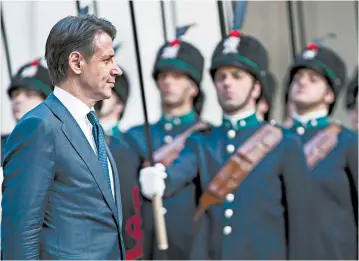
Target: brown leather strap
<point x="240" y="165"/>
<point x="169" y="152"/>
<point x="318" y="147"/>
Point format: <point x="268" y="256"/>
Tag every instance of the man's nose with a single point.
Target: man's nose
<point x="116" y="71"/>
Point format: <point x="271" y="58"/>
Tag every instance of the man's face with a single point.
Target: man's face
<point x="235" y="88"/>
<point x="310" y="89"/>
<point x="176" y="89"/>
<point x="98" y="74"/>
<point x="23" y="101"/>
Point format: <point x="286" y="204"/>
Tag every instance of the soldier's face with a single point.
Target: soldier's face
<point x="112" y="106"/>
<point x="236" y="89"/>
<point x="23" y="101"/>
<point x="97" y="75"/>
<point x="176" y="89"/>
<point x="310" y="89"/>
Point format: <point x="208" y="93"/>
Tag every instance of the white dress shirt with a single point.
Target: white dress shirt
<point x="79" y="111"/>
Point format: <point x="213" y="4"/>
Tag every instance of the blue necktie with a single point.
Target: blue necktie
<point x="99" y="137"/>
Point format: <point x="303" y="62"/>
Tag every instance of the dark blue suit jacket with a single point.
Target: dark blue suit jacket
<point x="56" y="201"/>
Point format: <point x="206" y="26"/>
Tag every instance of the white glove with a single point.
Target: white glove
<point x="152" y="180"/>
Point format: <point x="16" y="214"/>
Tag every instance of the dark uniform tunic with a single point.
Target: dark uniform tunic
<point x="181" y="208"/>
<point x="335" y="181"/>
<point x="269" y="216"/>
<point x="130" y="194"/>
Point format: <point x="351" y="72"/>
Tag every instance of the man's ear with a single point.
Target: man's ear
<point x="329" y="96"/>
<point x="257" y="90"/>
<point x="75" y="62"/>
<point x="194" y="89"/>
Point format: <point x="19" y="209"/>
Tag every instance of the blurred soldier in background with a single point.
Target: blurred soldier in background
<point x="264" y="104"/>
<point x="316" y="79"/>
<point x="110" y="113"/>
<point x="178" y="73"/>
<point x="255" y="204"/>
<point x="352" y="100"/>
<point x="29" y="87"/>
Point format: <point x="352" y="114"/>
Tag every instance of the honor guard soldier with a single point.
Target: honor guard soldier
<point x="264" y="104"/>
<point x="256" y="200"/>
<point x="352" y="100"/>
<point x="110" y="111"/>
<point x="29" y="87"/>
<point x="316" y="79"/>
<point x="178" y="71"/>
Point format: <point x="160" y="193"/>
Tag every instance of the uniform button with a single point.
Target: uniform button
<point x="177" y="121"/>
<point x="300" y="130"/>
<point x="168" y="139"/>
<point x="230" y="197"/>
<point x="227" y="230"/>
<point x="273" y="122"/>
<point x="228" y="213"/>
<point x="231" y="134"/>
<point x="314" y="123"/>
<point x="168" y="126"/>
<point x="230" y="148"/>
<point x="242" y="123"/>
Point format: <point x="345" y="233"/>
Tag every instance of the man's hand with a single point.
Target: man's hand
<point x="152" y="180"/>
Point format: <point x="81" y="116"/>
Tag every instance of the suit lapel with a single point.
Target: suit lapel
<point x="79" y="142"/>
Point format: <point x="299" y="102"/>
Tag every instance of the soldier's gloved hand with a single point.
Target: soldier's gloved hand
<point x="152" y="180"/>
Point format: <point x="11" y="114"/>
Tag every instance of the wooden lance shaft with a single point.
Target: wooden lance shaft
<point x="157" y="204"/>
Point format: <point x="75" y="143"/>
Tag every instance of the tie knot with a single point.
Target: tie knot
<point x="93" y="118"/>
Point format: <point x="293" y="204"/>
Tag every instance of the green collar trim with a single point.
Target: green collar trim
<point x="249" y="121"/>
<point x="186" y="119"/>
<point x="313" y="123"/>
<point x="114" y="131"/>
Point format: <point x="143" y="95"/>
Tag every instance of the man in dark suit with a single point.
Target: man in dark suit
<point x="61" y="193"/>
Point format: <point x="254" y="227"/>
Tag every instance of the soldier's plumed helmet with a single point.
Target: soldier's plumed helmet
<point x="243" y="51"/>
<point x="183" y="57"/>
<point x="32" y="76"/>
<point x="325" y="62"/>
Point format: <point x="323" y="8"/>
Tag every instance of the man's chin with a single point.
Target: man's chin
<point x="302" y="104"/>
<point x="230" y="107"/>
<point x="18" y="116"/>
<point x="171" y="103"/>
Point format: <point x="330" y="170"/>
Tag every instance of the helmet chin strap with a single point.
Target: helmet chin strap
<point x="244" y="104"/>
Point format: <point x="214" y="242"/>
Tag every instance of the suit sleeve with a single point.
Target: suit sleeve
<point x="28" y="176"/>
<point x="184" y="169"/>
<point x="301" y="217"/>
